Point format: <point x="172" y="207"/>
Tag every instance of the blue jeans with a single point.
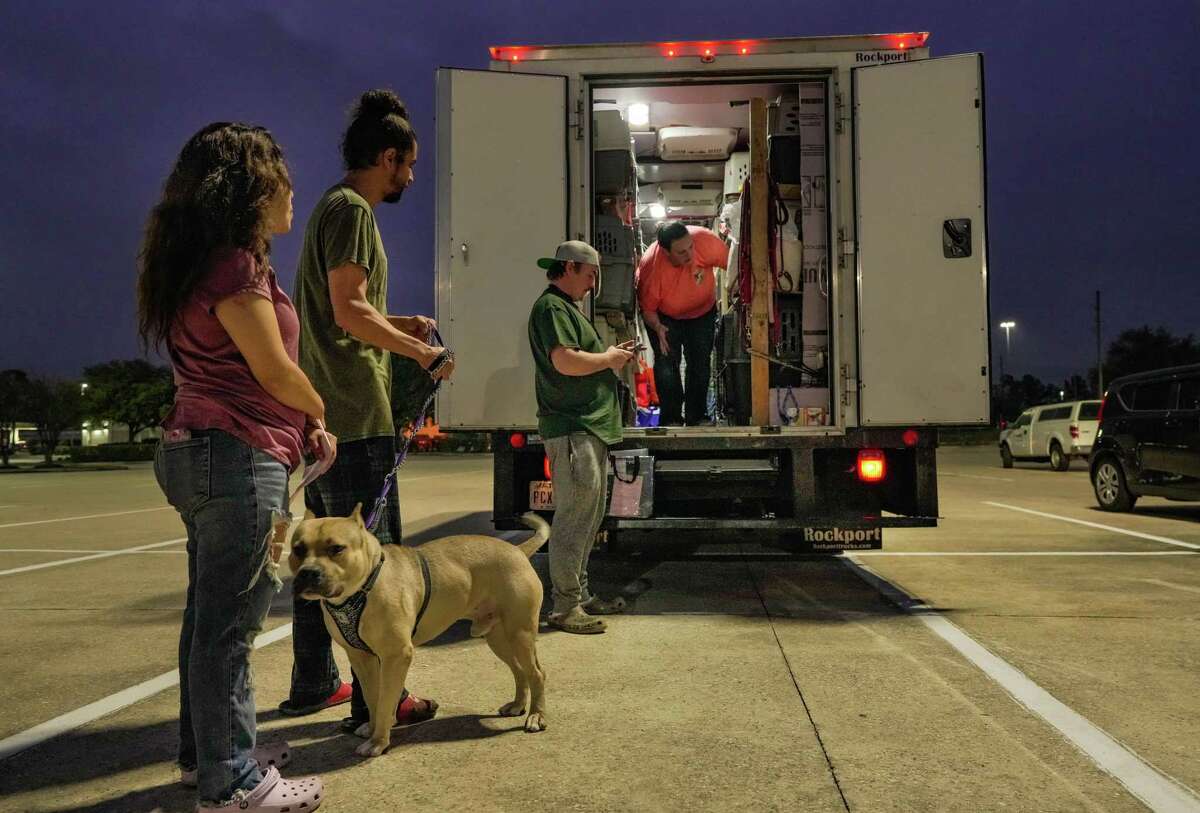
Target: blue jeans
<point x="224" y="490"/>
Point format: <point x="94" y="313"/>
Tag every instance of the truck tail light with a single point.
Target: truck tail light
<point x="871" y="465"/>
<point x="1100" y="414"/>
<point x="546" y="466"/>
<point x="1074" y="432"/>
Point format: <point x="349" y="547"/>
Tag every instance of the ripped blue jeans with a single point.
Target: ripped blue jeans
<point x="224" y="490"/>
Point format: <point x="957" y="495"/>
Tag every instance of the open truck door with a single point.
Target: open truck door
<point x="501" y="204"/>
<point x="921" y="242"/>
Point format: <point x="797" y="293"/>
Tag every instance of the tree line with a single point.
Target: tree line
<point x="134" y="393"/>
<point x="138" y="394"/>
<point x="1134" y="351"/>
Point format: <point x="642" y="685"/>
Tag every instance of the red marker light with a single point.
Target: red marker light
<point x="871" y="465"/>
<point x="671" y="52"/>
<point x="708" y="51"/>
<point x="745" y="51"/>
<point x="910" y="437"/>
<point x="516" y="57"/>
<point x="517" y="440"/>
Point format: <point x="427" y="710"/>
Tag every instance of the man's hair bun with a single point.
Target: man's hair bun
<point x="380" y="103"/>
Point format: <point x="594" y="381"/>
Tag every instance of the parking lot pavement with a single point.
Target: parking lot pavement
<point x="734" y="683"/>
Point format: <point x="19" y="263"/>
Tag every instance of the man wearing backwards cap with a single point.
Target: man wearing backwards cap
<point x="579" y="417"/>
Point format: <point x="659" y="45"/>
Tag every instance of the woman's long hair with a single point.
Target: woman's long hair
<point x="217" y="195"/>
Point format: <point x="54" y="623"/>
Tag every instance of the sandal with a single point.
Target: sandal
<point x="600" y="606"/>
<point x="267" y="755"/>
<point x="273" y="794"/>
<point x="577" y="621"/>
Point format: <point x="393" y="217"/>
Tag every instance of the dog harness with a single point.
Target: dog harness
<point x="348" y="614"/>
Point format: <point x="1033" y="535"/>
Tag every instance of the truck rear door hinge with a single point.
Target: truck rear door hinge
<point x="578" y="125"/>
<point x="849" y="385"/>
<point x="840" y="115"/>
<point x="845" y="248"/>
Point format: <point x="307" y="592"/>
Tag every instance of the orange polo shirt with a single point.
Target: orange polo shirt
<point x="682" y="292"/>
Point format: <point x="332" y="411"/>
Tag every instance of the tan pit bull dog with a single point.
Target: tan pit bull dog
<point x="379" y="603"/>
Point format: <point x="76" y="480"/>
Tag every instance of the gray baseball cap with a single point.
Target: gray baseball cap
<point x="571" y="251"/>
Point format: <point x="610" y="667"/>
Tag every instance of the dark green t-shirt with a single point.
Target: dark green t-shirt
<point x="354" y="379"/>
<point x="569" y="403"/>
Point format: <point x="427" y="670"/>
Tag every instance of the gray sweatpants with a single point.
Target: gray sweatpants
<point x="578" y="470"/>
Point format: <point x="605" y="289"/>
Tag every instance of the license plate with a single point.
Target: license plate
<point x="541" y="495"/>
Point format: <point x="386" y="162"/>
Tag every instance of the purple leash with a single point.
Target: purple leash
<point x="377" y="508"/>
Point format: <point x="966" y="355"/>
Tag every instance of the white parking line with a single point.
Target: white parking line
<point x="1164" y="539"/>
<point x="1024" y="553"/>
<point x="85" y="516"/>
<point x="1157" y="790"/>
<point x="104" y="555"/>
<point x="74" y="550"/>
<point x="976" y="476"/>
<point x="1172" y="585"/>
<point x="114" y="702"/>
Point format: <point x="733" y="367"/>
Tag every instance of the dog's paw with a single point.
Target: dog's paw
<point x="535" y="722"/>
<point x="363" y="731"/>
<point x="513" y="709"/>
<point x="371" y="748"/>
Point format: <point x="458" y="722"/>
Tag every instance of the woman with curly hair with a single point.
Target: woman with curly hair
<point x="243" y="416"/>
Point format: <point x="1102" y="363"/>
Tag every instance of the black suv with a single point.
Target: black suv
<point x="1149" y="439"/>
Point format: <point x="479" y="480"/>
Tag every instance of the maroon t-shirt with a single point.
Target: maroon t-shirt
<point x="214" y="386"/>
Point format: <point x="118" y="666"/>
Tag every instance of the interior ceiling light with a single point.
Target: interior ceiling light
<point x="638" y="114"/>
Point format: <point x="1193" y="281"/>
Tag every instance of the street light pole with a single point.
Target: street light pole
<point x="1006" y="327"/>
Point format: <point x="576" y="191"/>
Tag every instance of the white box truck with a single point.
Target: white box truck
<point x="878" y="152"/>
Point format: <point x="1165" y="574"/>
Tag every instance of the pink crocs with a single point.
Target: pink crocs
<point x="267" y="755"/>
<point x="274" y="794"/>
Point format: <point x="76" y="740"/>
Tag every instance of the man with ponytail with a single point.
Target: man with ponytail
<point x="346" y="335"/>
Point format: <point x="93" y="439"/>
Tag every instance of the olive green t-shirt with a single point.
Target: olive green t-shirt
<point x="353" y="379"/>
<point x="569" y="403"/>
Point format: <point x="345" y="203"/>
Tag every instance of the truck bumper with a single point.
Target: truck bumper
<point x="803" y="488"/>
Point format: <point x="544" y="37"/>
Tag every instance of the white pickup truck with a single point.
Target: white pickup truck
<point x="1052" y="432"/>
<point x="878" y="152"/>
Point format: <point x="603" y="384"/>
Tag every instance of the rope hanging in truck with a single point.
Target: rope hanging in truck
<point x="777" y="217"/>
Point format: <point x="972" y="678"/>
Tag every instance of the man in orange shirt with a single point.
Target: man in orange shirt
<point x="677" y="292"/>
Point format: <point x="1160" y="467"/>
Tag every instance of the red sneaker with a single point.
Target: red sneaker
<point x="413" y="709"/>
<point x="341" y="695"/>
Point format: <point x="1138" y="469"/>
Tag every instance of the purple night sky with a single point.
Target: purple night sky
<point x="1091" y="111"/>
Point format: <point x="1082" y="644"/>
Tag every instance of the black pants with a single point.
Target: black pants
<point x="685" y="402"/>
<point x="355" y="477"/>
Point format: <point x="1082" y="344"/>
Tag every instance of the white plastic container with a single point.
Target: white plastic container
<point x="696" y="198"/>
<point x="696" y="143"/>
<point x="610" y="132"/>
<point x="737" y="170"/>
